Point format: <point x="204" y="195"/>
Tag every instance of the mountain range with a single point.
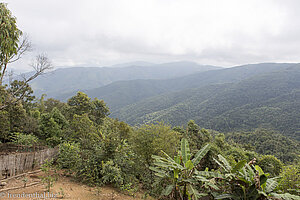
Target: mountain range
<point x="241" y="98"/>
<point x="67" y="80"/>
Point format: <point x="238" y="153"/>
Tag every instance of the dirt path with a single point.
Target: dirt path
<point x="63" y="188"/>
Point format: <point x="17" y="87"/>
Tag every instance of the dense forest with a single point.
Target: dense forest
<point x="188" y="161"/>
<point x="270" y="100"/>
<point x="241" y="98"/>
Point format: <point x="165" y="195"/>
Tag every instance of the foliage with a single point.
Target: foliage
<point x="181" y="172"/>
<point x="99" y="111"/>
<point x="246" y="181"/>
<point x="84" y="131"/>
<point x="22" y="139"/>
<point x="80" y="104"/>
<point x="269" y="143"/>
<point x="50" y="103"/>
<point x="4" y="126"/>
<point x="111" y="174"/>
<point x="49" y="129"/>
<point x="9" y="38"/>
<point x="151" y="139"/>
<point x="69" y="156"/>
<point x="270" y="164"/>
<point x="290" y="179"/>
<point x="50" y="177"/>
<point x="23" y="91"/>
<point x="197" y="137"/>
<point x="236" y="99"/>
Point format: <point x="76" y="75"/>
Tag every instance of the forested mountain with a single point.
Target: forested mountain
<point x="268" y="143"/>
<point x="270" y="100"/>
<point x="66" y="80"/>
<point x="122" y="93"/>
<point x="229" y="99"/>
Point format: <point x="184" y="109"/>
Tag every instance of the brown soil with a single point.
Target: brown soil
<point x="63" y="188"/>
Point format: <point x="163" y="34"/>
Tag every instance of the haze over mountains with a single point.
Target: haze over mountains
<point x="226" y="99"/>
<point x="66" y="80"/>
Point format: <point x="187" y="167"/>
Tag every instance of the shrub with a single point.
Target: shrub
<point x="290" y="179"/>
<point x="69" y="156"/>
<point x="270" y="164"/>
<point x="23" y="139"/>
<point x="111" y="173"/>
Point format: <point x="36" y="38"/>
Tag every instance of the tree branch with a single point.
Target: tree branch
<point x="40" y="65"/>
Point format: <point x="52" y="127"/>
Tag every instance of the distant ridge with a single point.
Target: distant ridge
<point x="264" y="95"/>
<point x="122" y="93"/>
<point x="66" y="80"/>
<point x="269" y="100"/>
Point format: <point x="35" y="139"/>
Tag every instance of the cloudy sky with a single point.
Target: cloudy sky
<point x="106" y="32"/>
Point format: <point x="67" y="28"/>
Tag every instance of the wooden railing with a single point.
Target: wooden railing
<point x="13" y="148"/>
<point x="17" y="162"/>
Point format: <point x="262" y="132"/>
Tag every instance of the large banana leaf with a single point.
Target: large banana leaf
<point x="168" y="190"/>
<point x="271" y="184"/>
<point x="194" y="193"/>
<point x="200" y="154"/>
<point x="285" y="196"/>
<point x="189" y="165"/>
<point x="227" y="196"/>
<point x="159" y="172"/>
<point x="185" y="150"/>
<point x="210" y="174"/>
<point x="166" y="162"/>
<point x="239" y="166"/>
<point x="223" y="163"/>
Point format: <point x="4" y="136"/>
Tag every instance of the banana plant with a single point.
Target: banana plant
<point x="182" y="173"/>
<point x="247" y="182"/>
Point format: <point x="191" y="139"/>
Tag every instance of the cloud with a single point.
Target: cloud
<point x="105" y="32"/>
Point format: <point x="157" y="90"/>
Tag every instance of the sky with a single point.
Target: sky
<point x="106" y="32"/>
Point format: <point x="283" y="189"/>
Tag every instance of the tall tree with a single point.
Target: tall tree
<point x="11" y="48"/>
<point x="13" y="44"/>
<point x="80" y="104"/>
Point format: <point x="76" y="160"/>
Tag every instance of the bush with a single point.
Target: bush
<point x="290" y="179"/>
<point x="111" y="173"/>
<point x="23" y="139"/>
<point x="270" y="164"/>
<point x="69" y="156"/>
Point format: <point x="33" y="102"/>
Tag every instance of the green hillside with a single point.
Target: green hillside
<point x="271" y="100"/>
<point x="123" y="93"/>
<point x="229" y="99"/>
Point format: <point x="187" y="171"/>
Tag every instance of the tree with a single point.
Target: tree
<point x="4" y="126"/>
<point x="290" y="179"/>
<point x="13" y="44"/>
<point x="80" y="104"/>
<point x="196" y="137"/>
<point x="11" y="48"/>
<point x="50" y="130"/>
<point x="99" y="111"/>
<point x="50" y="103"/>
<point x="149" y="140"/>
<point x="22" y="91"/>
<point x="270" y="164"/>
<point x="84" y="131"/>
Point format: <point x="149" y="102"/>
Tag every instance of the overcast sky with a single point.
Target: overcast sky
<point x="106" y="32"/>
